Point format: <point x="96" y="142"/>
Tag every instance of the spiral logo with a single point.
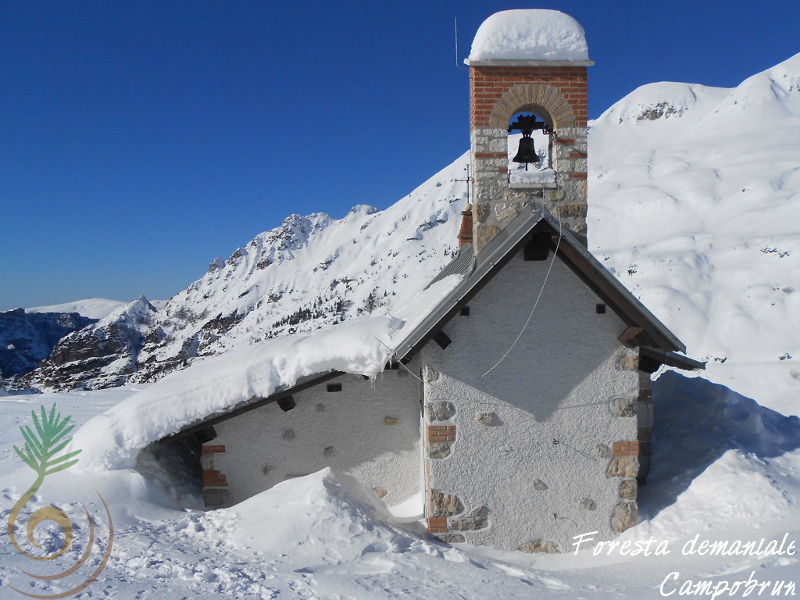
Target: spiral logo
<point x="43" y="452"/>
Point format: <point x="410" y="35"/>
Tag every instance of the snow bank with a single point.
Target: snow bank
<point x="529" y="34"/>
<point x="716" y="448"/>
<point x="311" y="517"/>
<point x="362" y="347"/>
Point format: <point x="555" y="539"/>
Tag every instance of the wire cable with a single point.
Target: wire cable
<point x="533" y="310"/>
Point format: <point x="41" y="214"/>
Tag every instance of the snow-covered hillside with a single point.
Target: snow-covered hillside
<point x="104" y="353"/>
<point x="27" y="338"/>
<point x="94" y="308"/>
<point x="695" y="205"/>
<point x="694" y="200"/>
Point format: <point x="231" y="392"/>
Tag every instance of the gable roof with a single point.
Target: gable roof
<point x="478" y="270"/>
<point x="659" y="345"/>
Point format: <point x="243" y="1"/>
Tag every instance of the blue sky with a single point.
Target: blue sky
<point x="142" y="139"/>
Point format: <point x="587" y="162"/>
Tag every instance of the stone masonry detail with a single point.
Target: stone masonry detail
<point x="440" y="440"/>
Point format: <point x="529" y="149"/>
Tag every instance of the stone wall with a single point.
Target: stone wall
<point x="559" y="96"/>
<point x="369" y="429"/>
<point x="543" y="447"/>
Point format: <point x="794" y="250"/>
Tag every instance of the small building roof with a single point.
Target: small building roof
<point x="657" y="344"/>
<point x="529" y="34"/>
<point x="479" y="270"/>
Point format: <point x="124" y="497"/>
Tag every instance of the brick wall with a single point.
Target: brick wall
<point x="215" y="484"/>
<point x="557" y="95"/>
<point x="488" y="84"/>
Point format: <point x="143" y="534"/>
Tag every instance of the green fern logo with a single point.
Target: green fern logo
<point x="43" y="446"/>
<point x="43" y="452"/>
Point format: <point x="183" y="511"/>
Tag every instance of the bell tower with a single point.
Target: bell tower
<point x="528" y="74"/>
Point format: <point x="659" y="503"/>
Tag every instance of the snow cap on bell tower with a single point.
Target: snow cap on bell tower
<point x="532" y="34"/>
<point x="530" y="61"/>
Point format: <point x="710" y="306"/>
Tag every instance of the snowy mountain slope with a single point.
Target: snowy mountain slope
<point x="101" y="354"/>
<point x="94" y="308"/>
<point x="27" y="338"/>
<point x="669" y="216"/>
<point x="695" y="205"/>
<point x="312" y="271"/>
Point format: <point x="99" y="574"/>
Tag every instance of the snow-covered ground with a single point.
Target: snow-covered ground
<point x="725" y="468"/>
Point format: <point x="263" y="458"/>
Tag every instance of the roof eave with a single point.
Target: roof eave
<point x="253" y="403"/>
<point x="672" y="359"/>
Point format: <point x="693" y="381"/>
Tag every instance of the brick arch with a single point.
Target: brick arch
<point x="540" y="98"/>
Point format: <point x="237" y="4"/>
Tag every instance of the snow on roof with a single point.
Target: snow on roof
<point x="215" y="385"/>
<point x="529" y="34"/>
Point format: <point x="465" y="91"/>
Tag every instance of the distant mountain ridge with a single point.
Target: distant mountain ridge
<point x="28" y="338"/>
<point x="94" y="308"/>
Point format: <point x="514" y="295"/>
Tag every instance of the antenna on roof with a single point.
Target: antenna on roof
<point x="468" y="180"/>
<point x="455" y="38"/>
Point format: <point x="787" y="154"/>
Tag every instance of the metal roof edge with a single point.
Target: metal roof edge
<point x="673" y="359"/>
<point x="492" y="256"/>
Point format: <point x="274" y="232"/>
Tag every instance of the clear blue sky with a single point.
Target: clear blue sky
<point x="142" y="139"/>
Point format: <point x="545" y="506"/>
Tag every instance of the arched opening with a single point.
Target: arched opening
<point x="530" y="161"/>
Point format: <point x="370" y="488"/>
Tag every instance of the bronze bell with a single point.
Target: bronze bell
<point x="526" y="152"/>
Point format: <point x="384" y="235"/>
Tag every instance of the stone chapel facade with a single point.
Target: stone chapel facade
<point x="520" y="406"/>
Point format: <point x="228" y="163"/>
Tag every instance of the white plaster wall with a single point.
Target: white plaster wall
<point x="555" y="384"/>
<point x="351" y="422"/>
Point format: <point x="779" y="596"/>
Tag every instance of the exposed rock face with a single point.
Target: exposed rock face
<point x="441" y="411"/>
<point x="100" y="355"/>
<point x="623" y="466"/>
<point x="628" y="489"/>
<point x="27" y="338"/>
<point x="476" y="519"/>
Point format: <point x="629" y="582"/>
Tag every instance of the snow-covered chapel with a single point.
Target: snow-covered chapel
<point x="516" y="412"/>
